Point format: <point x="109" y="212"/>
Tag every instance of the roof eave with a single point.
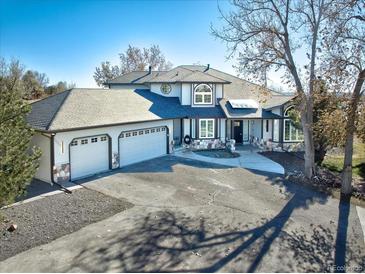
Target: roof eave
<point x="189" y="82"/>
<point x="201" y="82"/>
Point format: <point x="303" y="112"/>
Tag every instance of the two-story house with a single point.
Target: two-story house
<point x="142" y="113"/>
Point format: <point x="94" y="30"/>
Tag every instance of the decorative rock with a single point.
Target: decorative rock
<point x="12" y="227"/>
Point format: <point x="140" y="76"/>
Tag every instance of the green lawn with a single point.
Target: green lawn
<point x="335" y="162"/>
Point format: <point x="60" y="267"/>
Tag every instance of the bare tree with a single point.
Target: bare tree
<point x="266" y="33"/>
<point x="105" y="72"/>
<point x="345" y="66"/>
<point x="133" y="59"/>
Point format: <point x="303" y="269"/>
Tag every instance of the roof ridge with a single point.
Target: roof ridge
<point x="193" y="65"/>
<point x="154" y="76"/>
<point x="171" y="70"/>
<point x="198" y="71"/>
<point x="182" y="66"/>
<point x="135" y="71"/>
<point x="50" y="96"/>
<point x="90" y="88"/>
<point x="58" y="109"/>
<point x="215" y="76"/>
<point x="192" y="71"/>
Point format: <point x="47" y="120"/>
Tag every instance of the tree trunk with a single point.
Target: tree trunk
<point x="346" y="187"/>
<point x="307" y="122"/>
<point x="319" y="154"/>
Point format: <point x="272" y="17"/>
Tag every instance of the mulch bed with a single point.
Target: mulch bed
<point x="42" y="221"/>
<point x="325" y="180"/>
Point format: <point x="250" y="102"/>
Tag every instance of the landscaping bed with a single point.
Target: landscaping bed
<point x="42" y="221"/>
<point x="217" y="153"/>
<point x="325" y="180"/>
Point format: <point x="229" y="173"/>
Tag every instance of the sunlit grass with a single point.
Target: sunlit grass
<point x="335" y="162"/>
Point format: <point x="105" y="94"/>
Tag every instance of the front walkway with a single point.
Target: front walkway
<point x="249" y="158"/>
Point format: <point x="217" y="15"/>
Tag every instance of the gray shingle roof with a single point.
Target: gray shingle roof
<point x="198" y="76"/>
<point x="178" y="74"/>
<point x="44" y="111"/>
<point x="277" y="100"/>
<point x="135" y="77"/>
<point x="235" y="88"/>
<point x="78" y="108"/>
<point x="182" y="74"/>
<point x="173" y="75"/>
<point x="242" y="89"/>
<point x="81" y="108"/>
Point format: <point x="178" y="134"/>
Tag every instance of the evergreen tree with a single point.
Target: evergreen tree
<point x="18" y="162"/>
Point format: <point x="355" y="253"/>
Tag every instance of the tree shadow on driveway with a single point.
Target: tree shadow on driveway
<point x="171" y="241"/>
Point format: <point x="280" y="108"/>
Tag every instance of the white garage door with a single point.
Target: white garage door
<point x="141" y="145"/>
<point x="89" y="155"/>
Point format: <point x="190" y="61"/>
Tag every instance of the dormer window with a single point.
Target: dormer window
<point x="203" y="94"/>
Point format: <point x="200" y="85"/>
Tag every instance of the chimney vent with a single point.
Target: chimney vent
<point x="149" y="69"/>
<point x="208" y="67"/>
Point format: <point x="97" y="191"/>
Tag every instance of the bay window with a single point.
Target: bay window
<point x="206" y="128"/>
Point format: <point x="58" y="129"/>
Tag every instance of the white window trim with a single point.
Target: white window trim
<point x="202" y="93"/>
<point x="276" y="130"/>
<point x="287" y="111"/>
<point x="297" y="131"/>
<point x="200" y="131"/>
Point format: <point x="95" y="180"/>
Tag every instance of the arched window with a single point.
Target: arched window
<point x="291" y="133"/>
<point x="288" y="110"/>
<point x="203" y="94"/>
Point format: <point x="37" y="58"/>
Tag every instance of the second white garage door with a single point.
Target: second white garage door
<point x="140" y="145"/>
<point x="89" y="155"/>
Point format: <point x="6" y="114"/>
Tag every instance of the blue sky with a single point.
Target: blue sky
<point x="68" y="39"/>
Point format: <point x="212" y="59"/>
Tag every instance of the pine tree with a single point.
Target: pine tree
<point x="18" y="162"/>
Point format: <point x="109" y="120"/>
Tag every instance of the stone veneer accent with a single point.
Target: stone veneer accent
<point x="61" y="173"/>
<point x="207" y="144"/>
<point x="115" y="160"/>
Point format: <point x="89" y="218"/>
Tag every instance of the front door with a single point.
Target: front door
<point x="237" y="131"/>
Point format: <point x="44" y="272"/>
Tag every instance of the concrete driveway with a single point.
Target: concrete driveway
<point x="249" y="159"/>
<point x="196" y="216"/>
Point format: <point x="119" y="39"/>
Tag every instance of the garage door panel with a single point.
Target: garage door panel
<point x="89" y="156"/>
<point x="147" y="144"/>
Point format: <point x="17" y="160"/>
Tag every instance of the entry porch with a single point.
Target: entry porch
<point x="255" y="131"/>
